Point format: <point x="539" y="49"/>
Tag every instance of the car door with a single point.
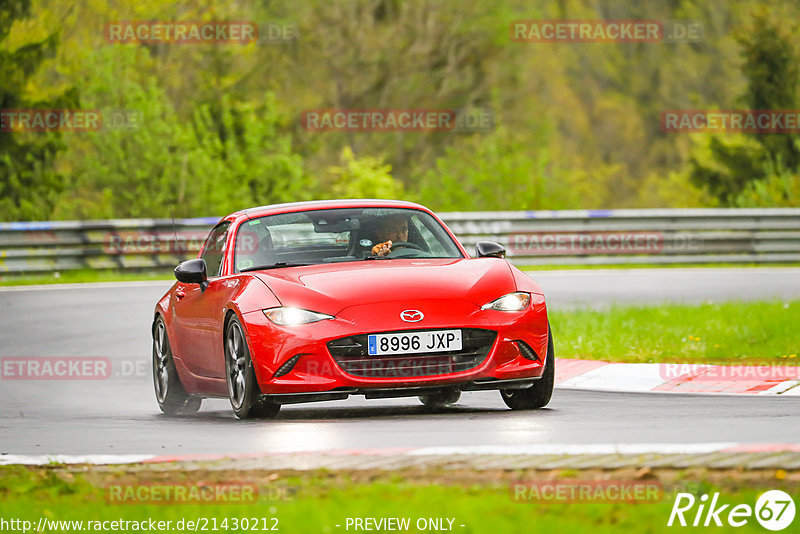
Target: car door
<point x="197" y="312"/>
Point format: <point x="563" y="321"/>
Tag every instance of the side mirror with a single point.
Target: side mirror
<point x="489" y="249"/>
<point x="192" y="272"/>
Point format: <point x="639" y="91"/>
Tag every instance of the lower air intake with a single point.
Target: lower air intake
<point x="527" y="351"/>
<point x="351" y="355"/>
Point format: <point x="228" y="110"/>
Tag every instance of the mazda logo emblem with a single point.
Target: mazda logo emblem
<point x="411" y="316"/>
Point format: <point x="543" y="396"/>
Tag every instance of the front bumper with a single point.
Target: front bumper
<point x="315" y="372"/>
<point x="407" y="391"/>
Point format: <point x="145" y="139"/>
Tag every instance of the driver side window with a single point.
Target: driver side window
<point x="214" y="248"/>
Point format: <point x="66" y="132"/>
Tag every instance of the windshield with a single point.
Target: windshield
<point x="340" y="235"/>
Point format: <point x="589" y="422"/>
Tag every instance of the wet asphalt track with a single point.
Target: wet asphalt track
<point x="119" y="415"/>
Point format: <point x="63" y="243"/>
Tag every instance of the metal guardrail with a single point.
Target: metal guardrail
<point x="37" y="247"/>
<point x="631" y="236"/>
<point x="580" y="237"/>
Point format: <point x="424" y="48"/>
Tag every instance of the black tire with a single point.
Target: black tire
<point x="539" y="394"/>
<point x="170" y="395"/>
<point x="441" y="399"/>
<point x="244" y="393"/>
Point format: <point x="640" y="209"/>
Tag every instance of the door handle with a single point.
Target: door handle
<point x="179" y="294"/>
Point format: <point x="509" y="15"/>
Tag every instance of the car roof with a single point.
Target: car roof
<point x="323" y="204"/>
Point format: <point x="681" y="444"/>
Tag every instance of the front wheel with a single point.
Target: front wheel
<point x="170" y="395"/>
<point x="245" y="395"/>
<point x="538" y="395"/>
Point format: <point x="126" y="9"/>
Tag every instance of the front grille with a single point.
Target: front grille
<point x="351" y="355"/>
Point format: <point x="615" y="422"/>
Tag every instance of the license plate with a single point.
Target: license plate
<point x="414" y="342"/>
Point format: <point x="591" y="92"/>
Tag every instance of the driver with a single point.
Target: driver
<point x="392" y="228"/>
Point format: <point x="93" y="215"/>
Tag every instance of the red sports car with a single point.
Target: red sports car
<point x="314" y="301"/>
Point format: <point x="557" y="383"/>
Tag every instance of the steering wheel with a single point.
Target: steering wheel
<point x="406" y="244"/>
<point x="404" y="249"/>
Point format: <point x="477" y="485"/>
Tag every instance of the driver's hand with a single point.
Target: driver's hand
<point x="382" y="249"/>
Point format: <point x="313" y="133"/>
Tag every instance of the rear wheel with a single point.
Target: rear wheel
<point x="171" y="397"/>
<point x="538" y="395"/>
<point x="245" y="395"/>
<point x="442" y="399"/>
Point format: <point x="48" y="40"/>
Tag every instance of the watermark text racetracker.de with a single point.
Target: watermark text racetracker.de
<point x="586" y="491"/>
<point x="73" y="368"/>
<point x="585" y="243"/>
<point x="465" y="120"/>
<point x="68" y="120"/>
<point x="731" y="121"/>
<point x="153" y="242"/>
<point x="188" y="493"/>
<point x="235" y="32"/>
<point x="197" y="492"/>
<point x="714" y="373"/>
<point x="605" y="31"/>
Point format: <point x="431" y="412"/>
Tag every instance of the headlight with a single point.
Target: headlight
<point x="292" y="316"/>
<point x="511" y="302"/>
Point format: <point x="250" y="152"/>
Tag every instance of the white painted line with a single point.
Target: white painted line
<point x="646" y="377"/>
<point x="317" y="458"/>
<point x="780" y="388"/>
<point x="687" y="393"/>
<point x="94" y="459"/>
<point x="794" y="391"/>
<point x="630" y="377"/>
<point x="571" y="448"/>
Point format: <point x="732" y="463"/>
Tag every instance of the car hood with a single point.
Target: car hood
<point x="329" y="288"/>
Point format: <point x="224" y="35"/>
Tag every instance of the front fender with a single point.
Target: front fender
<point x="525" y="282"/>
<point x="253" y="295"/>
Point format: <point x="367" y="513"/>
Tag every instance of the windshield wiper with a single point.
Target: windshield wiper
<point x="274" y="266"/>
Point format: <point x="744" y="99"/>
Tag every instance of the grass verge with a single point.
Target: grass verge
<point x="322" y="502"/>
<point x="727" y="333"/>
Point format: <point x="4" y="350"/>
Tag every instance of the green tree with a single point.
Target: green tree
<point x="780" y="188"/>
<point x="163" y="165"/>
<point x="726" y="165"/>
<point x="28" y="185"/>
<point x="578" y="124"/>
<point x="246" y="162"/>
<point x="772" y="65"/>
<point x="365" y="177"/>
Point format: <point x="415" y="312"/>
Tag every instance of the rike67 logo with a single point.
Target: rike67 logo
<point x="774" y="510"/>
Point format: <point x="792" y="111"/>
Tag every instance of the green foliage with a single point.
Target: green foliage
<point x="165" y="166"/>
<point x="365" y="177"/>
<point x="243" y="159"/>
<point x="756" y="169"/>
<point x="724" y="164"/>
<point x="28" y="186"/>
<point x="780" y="188"/>
<point x="578" y="125"/>
<point x="318" y="500"/>
<point x="676" y="189"/>
<point x="498" y="175"/>
<point x="772" y="66"/>
<point x="120" y="172"/>
<point x="728" y="333"/>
